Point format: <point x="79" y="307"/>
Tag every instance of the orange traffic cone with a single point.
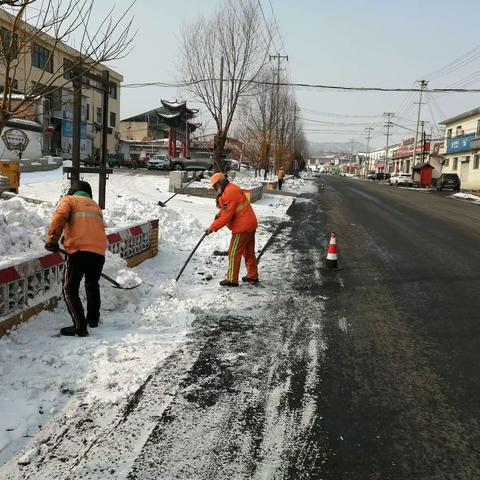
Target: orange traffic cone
<point x="331" y="261"/>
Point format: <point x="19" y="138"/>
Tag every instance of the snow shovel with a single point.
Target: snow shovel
<point x="114" y="283"/>
<point x="163" y="204"/>
<point x="191" y="255"/>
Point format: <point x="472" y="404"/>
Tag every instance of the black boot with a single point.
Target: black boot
<point x="253" y="281"/>
<point x="72" y="331"/>
<point x="227" y="283"/>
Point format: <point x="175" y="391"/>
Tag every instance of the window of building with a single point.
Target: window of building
<point x="467" y="158"/>
<point x="42" y="58"/>
<point x="459" y="131"/>
<point x="446" y="163"/>
<point x="113" y="90"/>
<point x="5" y="35"/>
<point x="88" y="112"/>
<point x="99" y="115"/>
<point x="113" y="119"/>
<point x="476" y="161"/>
<point x="449" y="133"/>
<point x="478" y="128"/>
<point x="455" y="163"/>
<point x="67" y="72"/>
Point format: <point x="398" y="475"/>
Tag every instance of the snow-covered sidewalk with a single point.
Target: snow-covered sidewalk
<point x="42" y="373"/>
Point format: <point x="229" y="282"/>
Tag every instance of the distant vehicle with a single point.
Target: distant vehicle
<point x="379" y="176"/>
<point x="130" y="163"/>
<point x="371" y="175"/>
<point x="401" y="179"/>
<point x="195" y="163"/>
<point x="448" y="181"/>
<point x="91" y="161"/>
<point x="159" y="162"/>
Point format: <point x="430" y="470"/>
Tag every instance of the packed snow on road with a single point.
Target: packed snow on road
<point x="41" y="372"/>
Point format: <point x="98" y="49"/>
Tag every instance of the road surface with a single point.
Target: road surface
<point x="369" y="373"/>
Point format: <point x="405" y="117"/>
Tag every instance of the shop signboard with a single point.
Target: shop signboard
<point x="461" y="143"/>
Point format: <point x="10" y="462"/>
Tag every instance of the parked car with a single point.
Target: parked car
<point x="159" y="162"/>
<point x="371" y="175"/>
<point x="91" y="161"/>
<point x="448" y="180"/>
<point x="401" y="179"/>
<point x="379" y="176"/>
<point x="194" y="163"/>
<point x="133" y="163"/>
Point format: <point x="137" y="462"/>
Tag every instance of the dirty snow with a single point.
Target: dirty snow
<point x="139" y="328"/>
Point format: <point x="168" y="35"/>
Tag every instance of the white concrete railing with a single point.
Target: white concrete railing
<point x="27" y="286"/>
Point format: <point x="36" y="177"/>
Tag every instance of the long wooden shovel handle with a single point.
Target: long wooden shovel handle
<point x="190" y="256"/>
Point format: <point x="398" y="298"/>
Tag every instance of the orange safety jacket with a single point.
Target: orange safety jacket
<point x="81" y="221"/>
<point x="235" y="211"/>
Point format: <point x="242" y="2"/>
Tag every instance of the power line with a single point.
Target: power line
<point x="300" y="85"/>
<point x="276" y="25"/>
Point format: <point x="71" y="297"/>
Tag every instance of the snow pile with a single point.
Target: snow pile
<point x="128" y="278"/>
<point x="175" y="228"/>
<point x="23" y="229"/>
<point x="467" y="196"/>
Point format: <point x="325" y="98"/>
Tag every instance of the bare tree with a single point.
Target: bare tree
<point x="269" y="130"/>
<point x="54" y="25"/>
<point x="221" y="55"/>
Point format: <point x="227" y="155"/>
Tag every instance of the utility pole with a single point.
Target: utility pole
<point x="389" y="116"/>
<point x="367" y="159"/>
<point x="278" y="58"/>
<point x="220" y="95"/>
<point x="295" y="162"/>
<point x="102" y="181"/>
<point x="423" y="85"/>
<point x="423" y="135"/>
<point x="76" y="130"/>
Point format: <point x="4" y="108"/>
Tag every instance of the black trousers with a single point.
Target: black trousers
<point x="280" y="182"/>
<point x="77" y="266"/>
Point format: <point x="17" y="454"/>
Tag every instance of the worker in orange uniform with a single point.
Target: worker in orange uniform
<point x="280" y="177"/>
<point x="237" y="214"/>
<point x="80" y="220"/>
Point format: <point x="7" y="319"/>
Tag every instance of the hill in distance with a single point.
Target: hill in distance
<point x="316" y="148"/>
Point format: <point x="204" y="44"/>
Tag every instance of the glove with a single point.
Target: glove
<point x="52" y="246"/>
<point x="208" y="231"/>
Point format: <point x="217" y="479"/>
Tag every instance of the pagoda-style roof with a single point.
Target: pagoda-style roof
<point x="172" y="114"/>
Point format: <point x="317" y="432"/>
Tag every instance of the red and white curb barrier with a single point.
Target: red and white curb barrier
<point x="30" y="283"/>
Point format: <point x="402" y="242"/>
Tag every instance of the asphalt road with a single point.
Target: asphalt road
<point x="402" y="383"/>
<point x="369" y="373"/>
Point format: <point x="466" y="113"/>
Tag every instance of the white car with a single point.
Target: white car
<point x="159" y="162"/>
<point x="401" y="179"/>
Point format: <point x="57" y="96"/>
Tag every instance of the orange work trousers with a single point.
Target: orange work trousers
<point x="242" y="245"/>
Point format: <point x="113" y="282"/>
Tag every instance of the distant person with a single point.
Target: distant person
<point x="280" y="177"/>
<point x="237" y="214"/>
<point x="80" y="220"/>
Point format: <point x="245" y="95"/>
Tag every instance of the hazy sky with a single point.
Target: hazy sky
<point x="387" y="43"/>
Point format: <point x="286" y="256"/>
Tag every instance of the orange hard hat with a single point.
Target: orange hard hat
<point x="216" y="177"/>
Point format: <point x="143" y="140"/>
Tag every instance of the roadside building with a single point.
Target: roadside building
<point x="462" y="148"/>
<point x="54" y="112"/>
<point x="377" y="160"/>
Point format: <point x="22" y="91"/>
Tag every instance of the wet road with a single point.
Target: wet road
<point x="370" y="373"/>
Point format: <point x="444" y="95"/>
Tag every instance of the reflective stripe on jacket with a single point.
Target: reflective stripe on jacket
<point x="81" y="221"/>
<point x="235" y="211"/>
